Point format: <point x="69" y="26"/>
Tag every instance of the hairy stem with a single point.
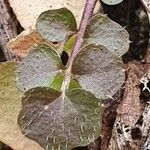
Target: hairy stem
<point x="87" y="13"/>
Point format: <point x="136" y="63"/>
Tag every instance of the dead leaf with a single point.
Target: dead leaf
<point x="10" y="105"/>
<point x="23" y="43"/>
<point x="28" y="11"/>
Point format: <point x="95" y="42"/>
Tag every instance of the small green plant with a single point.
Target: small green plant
<point x="61" y="105"/>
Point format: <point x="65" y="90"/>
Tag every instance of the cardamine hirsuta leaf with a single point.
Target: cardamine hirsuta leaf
<point x="39" y="68"/>
<point x="98" y="71"/>
<point x="102" y="30"/>
<point x="61" y="106"/>
<point x="58" y="122"/>
<point x="56" y="25"/>
<point x="112" y="2"/>
<point x="49" y="116"/>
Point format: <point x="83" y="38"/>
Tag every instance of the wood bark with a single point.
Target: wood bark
<point x="7" y="28"/>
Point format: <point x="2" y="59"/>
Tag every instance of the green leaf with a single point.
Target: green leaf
<point x="57" y="82"/>
<point x="58" y="122"/>
<point x="74" y="84"/>
<point x="98" y="71"/>
<point x="56" y="25"/>
<point x="101" y="30"/>
<point x="10" y="105"/>
<point x="39" y="68"/>
<point x="112" y="2"/>
<point x="69" y="44"/>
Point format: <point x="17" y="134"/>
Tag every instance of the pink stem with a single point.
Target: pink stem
<point x="88" y="11"/>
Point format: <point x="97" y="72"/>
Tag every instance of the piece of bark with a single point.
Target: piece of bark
<point x="147" y="60"/>
<point x="145" y="144"/>
<point x="108" y="118"/>
<point x="7" y="28"/>
<point x="126" y="132"/>
<point x="145" y="96"/>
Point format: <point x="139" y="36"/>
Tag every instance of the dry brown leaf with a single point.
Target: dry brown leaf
<point x="27" y="11"/>
<point x="21" y="45"/>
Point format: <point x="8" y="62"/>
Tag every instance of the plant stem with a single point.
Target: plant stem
<point x="87" y="13"/>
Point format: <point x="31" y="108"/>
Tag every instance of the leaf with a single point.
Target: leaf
<point x="69" y="44"/>
<point x="10" y="105"/>
<point x="112" y="2"/>
<point x="74" y="84"/>
<point x="39" y="68"/>
<point x="60" y="123"/>
<point x="56" y="25"/>
<point x="27" y="17"/>
<point x="57" y="82"/>
<point x="102" y="30"/>
<point x="24" y="42"/>
<point x="98" y="71"/>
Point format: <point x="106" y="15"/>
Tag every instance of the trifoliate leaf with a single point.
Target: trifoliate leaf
<point x="10" y="105"/>
<point x="102" y="30"/>
<point x="38" y="68"/>
<point x="112" y="2"/>
<point x="98" y="71"/>
<point x="56" y="25"/>
<point x="57" y="122"/>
